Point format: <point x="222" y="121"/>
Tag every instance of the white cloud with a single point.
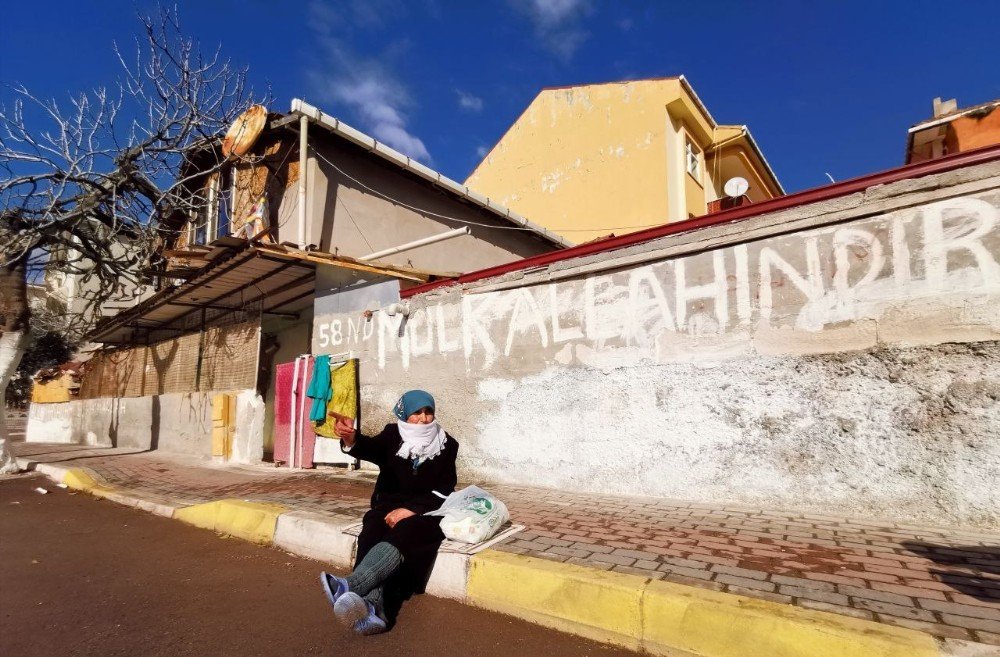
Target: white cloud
<point x="556" y="23"/>
<point x="469" y="102"/>
<point x="364" y="85"/>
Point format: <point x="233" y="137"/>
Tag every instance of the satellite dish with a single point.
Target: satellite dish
<point x="244" y="132"/>
<point x="736" y="187"/>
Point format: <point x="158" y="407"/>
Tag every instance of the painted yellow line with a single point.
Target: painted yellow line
<point x="251" y="521"/>
<point x="671" y="619"/>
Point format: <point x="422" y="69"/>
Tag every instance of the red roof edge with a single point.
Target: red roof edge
<point x="813" y="195"/>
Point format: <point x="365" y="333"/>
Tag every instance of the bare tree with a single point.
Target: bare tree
<point x="95" y="187"/>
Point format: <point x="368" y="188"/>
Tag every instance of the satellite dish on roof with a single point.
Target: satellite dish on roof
<point x="736" y="187"/>
<point x="244" y="132"/>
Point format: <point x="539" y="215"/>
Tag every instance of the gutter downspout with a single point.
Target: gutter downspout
<point x="303" y="170"/>
<point x="440" y="237"/>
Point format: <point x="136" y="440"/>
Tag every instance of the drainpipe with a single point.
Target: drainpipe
<point x="303" y="162"/>
<point x="440" y="237"/>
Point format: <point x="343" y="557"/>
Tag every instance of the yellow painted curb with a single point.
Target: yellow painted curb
<point x="252" y="521"/>
<point x="706" y="622"/>
<point x="671" y="619"/>
<point x="592" y="603"/>
<point x="80" y="479"/>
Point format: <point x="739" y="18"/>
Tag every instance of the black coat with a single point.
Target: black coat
<point x="399" y="484"/>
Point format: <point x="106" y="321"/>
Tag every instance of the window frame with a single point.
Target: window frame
<point x="211" y="201"/>
<point x="693" y="155"/>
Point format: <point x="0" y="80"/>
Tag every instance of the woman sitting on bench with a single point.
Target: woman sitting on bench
<point x="416" y="461"/>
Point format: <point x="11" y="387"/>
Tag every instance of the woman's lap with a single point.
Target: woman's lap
<point x="412" y="536"/>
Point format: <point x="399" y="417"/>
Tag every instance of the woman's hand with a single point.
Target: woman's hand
<point x="344" y="428"/>
<point x="395" y="516"/>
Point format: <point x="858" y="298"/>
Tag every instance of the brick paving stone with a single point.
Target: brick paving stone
<point x="640" y="572"/>
<point x="745" y="582"/>
<point x="636" y="554"/>
<point x="711" y="558"/>
<point x="684" y="563"/>
<point x="805" y="583"/>
<point x="894" y="610"/>
<point x="693" y="581"/>
<point x="691" y="573"/>
<point x="971" y="623"/>
<point x="614" y="559"/>
<point x="908" y="590"/>
<point x="870" y="576"/>
<point x="836" y="609"/>
<point x="936" y="629"/>
<point x="570" y="552"/>
<point x="992" y="613"/>
<point x="988" y="637"/>
<point x="740" y="572"/>
<point x="971" y="600"/>
<point x="813" y="594"/>
<point x="835" y="579"/>
<point x="755" y="593"/>
<point x="593" y="547"/>
<point x="589" y="563"/>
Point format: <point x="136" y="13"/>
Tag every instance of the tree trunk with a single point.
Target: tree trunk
<point x="14" y="312"/>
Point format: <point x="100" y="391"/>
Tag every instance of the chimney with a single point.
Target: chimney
<point x="946" y="107"/>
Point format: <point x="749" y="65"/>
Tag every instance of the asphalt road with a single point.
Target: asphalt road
<point x="82" y="576"/>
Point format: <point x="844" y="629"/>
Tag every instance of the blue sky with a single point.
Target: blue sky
<point x="824" y="88"/>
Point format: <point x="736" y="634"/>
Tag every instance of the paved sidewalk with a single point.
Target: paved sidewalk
<point x="943" y="581"/>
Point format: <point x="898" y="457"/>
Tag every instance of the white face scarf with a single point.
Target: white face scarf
<point x="420" y="441"/>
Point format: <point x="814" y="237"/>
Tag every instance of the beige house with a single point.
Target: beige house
<point x="589" y="160"/>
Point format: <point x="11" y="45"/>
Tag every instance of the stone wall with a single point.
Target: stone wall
<point x="837" y="356"/>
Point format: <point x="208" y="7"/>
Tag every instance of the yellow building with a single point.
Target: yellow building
<point x="590" y="160"/>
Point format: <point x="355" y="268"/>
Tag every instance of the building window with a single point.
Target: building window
<point x="211" y="205"/>
<point x="692" y="157"/>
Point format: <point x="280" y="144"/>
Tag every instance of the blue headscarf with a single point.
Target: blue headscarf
<point x="411" y="402"/>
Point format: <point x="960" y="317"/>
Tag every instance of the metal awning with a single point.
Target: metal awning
<point x="266" y="280"/>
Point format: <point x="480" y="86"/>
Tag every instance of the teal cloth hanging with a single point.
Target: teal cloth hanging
<point x="320" y="390"/>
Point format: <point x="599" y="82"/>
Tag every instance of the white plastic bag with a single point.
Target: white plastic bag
<point x="471" y="515"/>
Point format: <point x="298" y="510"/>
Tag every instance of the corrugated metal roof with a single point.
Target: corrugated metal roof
<point x="254" y="279"/>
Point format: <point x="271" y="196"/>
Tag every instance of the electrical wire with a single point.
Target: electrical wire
<point x="463" y="221"/>
<point x="371" y="249"/>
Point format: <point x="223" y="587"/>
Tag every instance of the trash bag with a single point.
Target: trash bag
<point x="471" y="515"/>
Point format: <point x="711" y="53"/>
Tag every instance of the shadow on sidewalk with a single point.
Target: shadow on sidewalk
<point x="970" y="569"/>
<point x="82" y="458"/>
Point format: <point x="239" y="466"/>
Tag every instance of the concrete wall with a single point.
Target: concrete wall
<point x="178" y="423"/>
<point x="347" y="217"/>
<point x="840" y="356"/>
